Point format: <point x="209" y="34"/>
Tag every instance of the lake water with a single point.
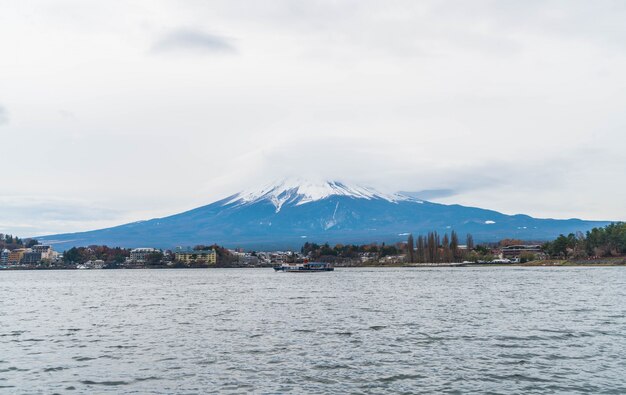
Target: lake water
<point x="449" y="330"/>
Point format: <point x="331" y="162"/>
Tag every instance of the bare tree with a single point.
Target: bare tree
<point x="469" y="242"/>
<point x="421" y="249"/>
<point x="454" y="245"/>
<point x="431" y="247"/>
<point x="445" y="245"/>
<point x="410" y="249"/>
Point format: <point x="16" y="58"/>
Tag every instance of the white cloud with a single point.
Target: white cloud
<point x="30" y="215"/>
<point x="515" y="106"/>
<point x="4" y="117"/>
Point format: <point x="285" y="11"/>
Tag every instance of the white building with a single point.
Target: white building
<point x="141" y="254"/>
<point x="4" y="257"/>
<point x="95" y="264"/>
<point x="46" y="251"/>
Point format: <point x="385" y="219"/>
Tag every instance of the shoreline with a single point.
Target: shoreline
<point x="607" y="262"/>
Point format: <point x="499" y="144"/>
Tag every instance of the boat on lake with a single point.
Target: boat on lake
<point x="306" y="267"/>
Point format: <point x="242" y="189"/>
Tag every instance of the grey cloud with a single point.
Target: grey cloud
<point x="192" y="40"/>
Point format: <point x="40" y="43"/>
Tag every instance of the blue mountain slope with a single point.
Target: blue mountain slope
<point x="287" y="215"/>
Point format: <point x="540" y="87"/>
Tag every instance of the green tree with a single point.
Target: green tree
<point x="526" y="257"/>
<point x="71" y="256"/>
<point x="30" y="243"/>
<point x="154" y="258"/>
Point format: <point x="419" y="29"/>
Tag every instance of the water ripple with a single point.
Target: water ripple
<point x="360" y="331"/>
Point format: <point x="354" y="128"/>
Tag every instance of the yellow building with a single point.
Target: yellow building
<point x="16" y="256"/>
<point x="208" y="257"/>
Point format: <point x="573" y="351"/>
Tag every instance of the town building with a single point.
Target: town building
<point x="141" y="254"/>
<point x="46" y="251"/>
<point x="31" y="258"/>
<point x="15" y="256"/>
<point x="249" y="259"/>
<point x="208" y="257"/>
<point x="515" y="251"/>
<point x="4" y="257"/>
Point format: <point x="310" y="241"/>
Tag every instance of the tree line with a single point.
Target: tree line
<point x="429" y="248"/>
<point x="110" y="255"/>
<point x="348" y="251"/>
<point x="434" y="247"/>
<point x="11" y="242"/>
<point x="599" y="242"/>
<point x="116" y="256"/>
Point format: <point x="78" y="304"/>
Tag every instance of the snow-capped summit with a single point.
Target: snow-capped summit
<point x="298" y="191"/>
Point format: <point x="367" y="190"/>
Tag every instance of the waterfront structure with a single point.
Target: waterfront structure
<point x="208" y="257"/>
<point x="515" y="251"/>
<point x="141" y="254"/>
<point x="305" y="267"/>
<point x="95" y="264"/>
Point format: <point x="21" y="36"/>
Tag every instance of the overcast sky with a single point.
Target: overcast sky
<point x="119" y="111"/>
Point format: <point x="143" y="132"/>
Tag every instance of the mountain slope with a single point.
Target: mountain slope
<point x="287" y="214"/>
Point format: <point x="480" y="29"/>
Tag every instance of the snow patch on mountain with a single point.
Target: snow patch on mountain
<point x="333" y="221"/>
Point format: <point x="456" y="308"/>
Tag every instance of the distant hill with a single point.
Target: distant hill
<point x="287" y="214"/>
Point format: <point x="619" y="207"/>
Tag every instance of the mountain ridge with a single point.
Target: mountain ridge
<point x="288" y="213"/>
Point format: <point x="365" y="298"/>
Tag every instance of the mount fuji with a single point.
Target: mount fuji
<point x="288" y="213"/>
